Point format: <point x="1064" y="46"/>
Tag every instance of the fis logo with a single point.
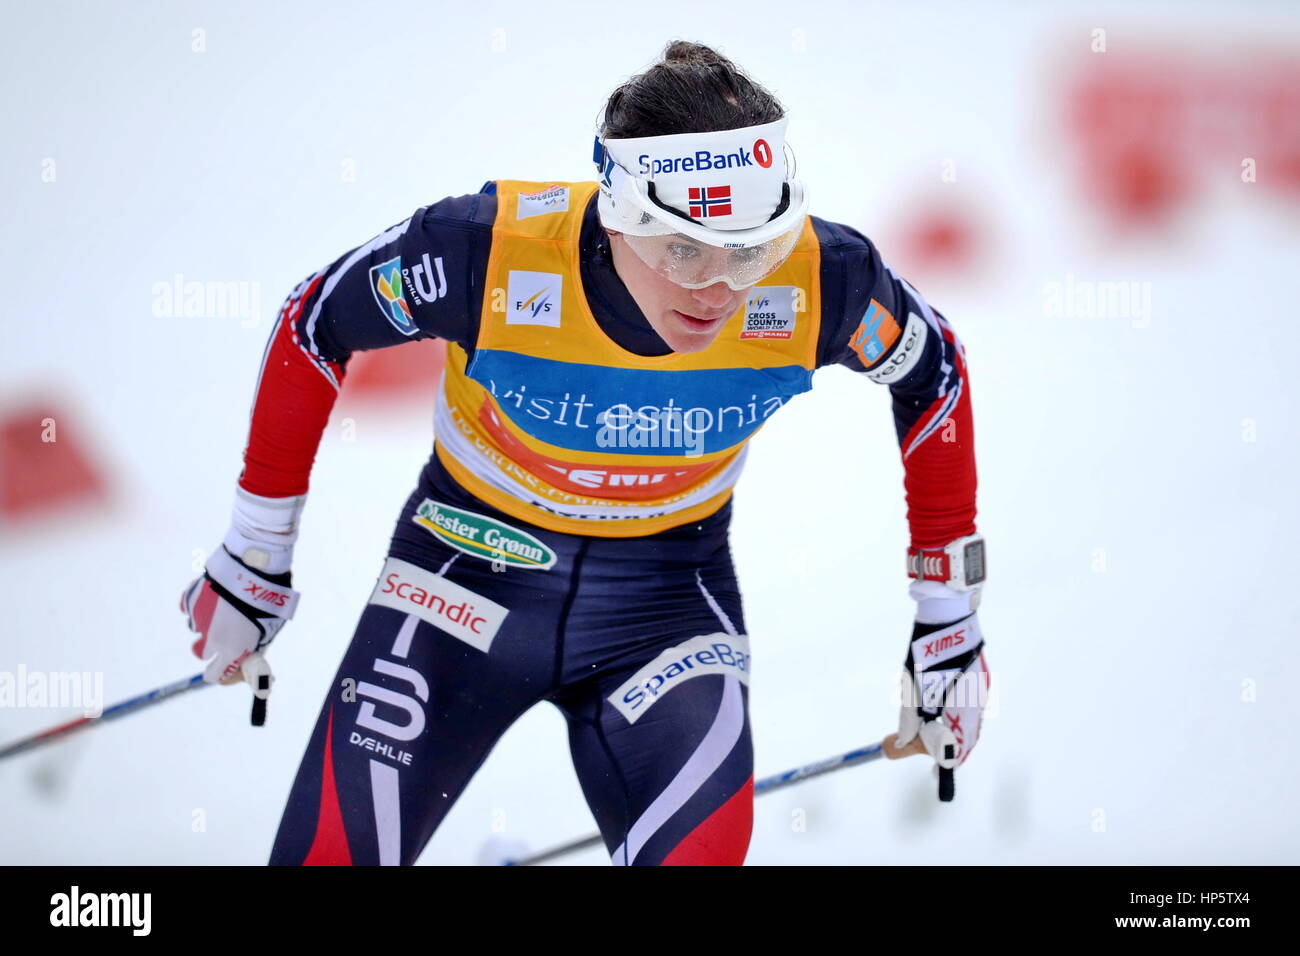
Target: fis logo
<point x="534" y="298"/>
<point x="386" y="285"/>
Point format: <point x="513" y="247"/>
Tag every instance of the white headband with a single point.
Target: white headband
<point x="724" y="181"/>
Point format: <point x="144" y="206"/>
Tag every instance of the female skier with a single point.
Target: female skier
<point x="612" y="347"/>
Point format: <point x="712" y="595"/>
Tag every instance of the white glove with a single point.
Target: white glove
<point x="236" y="612"/>
<point x="945" y="682"/>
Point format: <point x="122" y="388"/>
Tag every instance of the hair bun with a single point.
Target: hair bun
<point x="684" y="51"/>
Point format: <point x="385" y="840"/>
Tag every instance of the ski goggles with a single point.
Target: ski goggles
<point x="701" y="208"/>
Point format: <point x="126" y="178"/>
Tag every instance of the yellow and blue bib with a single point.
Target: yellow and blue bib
<point x="554" y="423"/>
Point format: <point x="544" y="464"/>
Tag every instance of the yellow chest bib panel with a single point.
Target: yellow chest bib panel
<point x="556" y="424"/>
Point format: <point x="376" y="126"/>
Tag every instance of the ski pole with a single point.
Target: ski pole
<point x="770" y="784"/>
<point x="112" y="713"/>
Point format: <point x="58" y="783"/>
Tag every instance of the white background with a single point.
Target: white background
<point x="1140" y="613"/>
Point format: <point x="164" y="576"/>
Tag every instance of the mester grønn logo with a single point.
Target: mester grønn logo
<point x="75" y="908"/>
<point x="482" y="536"/>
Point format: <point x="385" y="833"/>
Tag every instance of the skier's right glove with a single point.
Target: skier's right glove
<point x="236" y="611"/>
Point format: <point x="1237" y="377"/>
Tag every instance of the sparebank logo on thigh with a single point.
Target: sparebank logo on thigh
<point x="708" y="654"/>
<point x="534" y="298"/>
<point x="769" y="313"/>
<point x="482" y="536"/>
<point x="444" y="604"/>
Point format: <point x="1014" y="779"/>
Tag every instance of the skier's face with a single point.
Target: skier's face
<point x="688" y="320"/>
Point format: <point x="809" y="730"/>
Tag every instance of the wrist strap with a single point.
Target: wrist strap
<point x="263" y="530"/>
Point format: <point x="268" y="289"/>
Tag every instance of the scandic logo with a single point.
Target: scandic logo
<point x="482" y="536"/>
<point x="445" y="604"/>
<point x="464" y="614"/>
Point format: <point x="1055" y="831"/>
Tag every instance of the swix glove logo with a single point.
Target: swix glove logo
<point x="386" y="286"/>
<point x="255" y="593"/>
<point x="534" y="298"/>
<point x="709" y="654"/>
<point x="942" y="645"/>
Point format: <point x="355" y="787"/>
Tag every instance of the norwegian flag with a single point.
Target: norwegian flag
<point x="709" y="201"/>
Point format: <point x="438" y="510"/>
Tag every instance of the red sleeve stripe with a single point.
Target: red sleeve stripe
<point x="939" y="475"/>
<point x="296" y="390"/>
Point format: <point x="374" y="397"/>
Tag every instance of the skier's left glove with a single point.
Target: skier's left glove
<point x="945" y="681"/>
<point x="236" y="611"/>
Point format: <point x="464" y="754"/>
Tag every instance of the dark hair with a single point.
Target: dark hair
<point x="692" y="89"/>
